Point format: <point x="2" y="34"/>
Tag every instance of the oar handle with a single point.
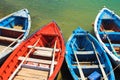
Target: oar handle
<point x="102" y="70"/>
<point x="79" y="66"/>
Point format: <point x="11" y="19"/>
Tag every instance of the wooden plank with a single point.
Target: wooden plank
<point x="84" y="62"/>
<point x="44" y="53"/>
<point x="32" y="75"/>
<point x="7" y="38"/>
<point x="37" y="60"/>
<point x="26" y="73"/>
<point x="84" y="52"/>
<point x="28" y="78"/>
<point x="19" y="66"/>
<point x="53" y="59"/>
<point x="18" y="27"/>
<point x="90" y="66"/>
<point x="9" y="46"/>
<point x="43" y="48"/>
<point x="109" y="30"/>
<point x="45" y="68"/>
<point x="12" y="29"/>
<point x="38" y="72"/>
<point x="101" y="67"/>
<point x="79" y="66"/>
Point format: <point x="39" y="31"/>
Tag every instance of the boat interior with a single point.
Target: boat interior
<point x="109" y="25"/>
<point x="10" y="30"/>
<point x="41" y="61"/>
<point x="86" y="56"/>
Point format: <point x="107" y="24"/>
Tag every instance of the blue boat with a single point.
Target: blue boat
<point x="107" y="30"/>
<point x="14" y="28"/>
<point x="86" y="59"/>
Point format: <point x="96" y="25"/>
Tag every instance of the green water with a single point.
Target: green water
<point x="69" y="14"/>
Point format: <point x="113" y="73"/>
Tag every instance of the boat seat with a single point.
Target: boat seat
<point x="84" y="52"/>
<point x="31" y="74"/>
<point x="89" y="66"/>
<point x="43" y="48"/>
<point x="12" y="29"/>
<point x="43" y="51"/>
<point x="115" y="45"/>
<point x="37" y="60"/>
<point x="80" y="34"/>
<point x="109" y="30"/>
<point x="7" y="38"/>
<point x="30" y="66"/>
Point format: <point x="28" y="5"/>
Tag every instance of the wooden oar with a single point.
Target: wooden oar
<point x="19" y="66"/>
<point x="53" y="59"/>
<point x="102" y="70"/>
<point x="113" y="50"/>
<point x="12" y="43"/>
<point x="79" y="67"/>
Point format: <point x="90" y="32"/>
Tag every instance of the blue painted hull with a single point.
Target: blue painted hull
<point x="14" y="28"/>
<point x="107" y="30"/>
<point x="80" y="43"/>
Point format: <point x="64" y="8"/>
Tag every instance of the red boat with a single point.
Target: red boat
<point x="39" y="57"/>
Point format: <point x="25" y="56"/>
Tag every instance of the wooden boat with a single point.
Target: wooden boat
<point x="107" y="30"/>
<point x="86" y="59"/>
<point x="37" y="58"/>
<point x="14" y="28"/>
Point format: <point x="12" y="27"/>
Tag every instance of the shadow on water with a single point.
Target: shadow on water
<point x="64" y="73"/>
<point x="117" y="74"/>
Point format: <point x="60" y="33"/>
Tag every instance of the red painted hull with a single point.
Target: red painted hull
<point x="48" y="34"/>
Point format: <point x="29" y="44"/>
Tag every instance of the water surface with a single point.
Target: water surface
<point x="69" y="14"/>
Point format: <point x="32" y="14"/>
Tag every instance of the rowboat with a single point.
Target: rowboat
<point x="14" y="28"/>
<point x="37" y="58"/>
<point x="86" y="59"/>
<point x="107" y="30"/>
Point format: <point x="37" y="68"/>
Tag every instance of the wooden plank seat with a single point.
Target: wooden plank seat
<point x="12" y="29"/>
<point x="37" y="60"/>
<point x="31" y="74"/>
<point x="84" y="62"/>
<point x="114" y="45"/>
<point x="43" y="48"/>
<point x="90" y="66"/>
<point x="7" y="38"/>
<point x="81" y="34"/>
<point x="109" y="30"/>
<point x="43" y="51"/>
<point x="30" y="66"/>
<point x="84" y="52"/>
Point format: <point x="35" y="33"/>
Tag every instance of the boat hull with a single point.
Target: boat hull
<point x="108" y="35"/>
<point x="14" y="29"/>
<point x="81" y="43"/>
<point x="47" y="39"/>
